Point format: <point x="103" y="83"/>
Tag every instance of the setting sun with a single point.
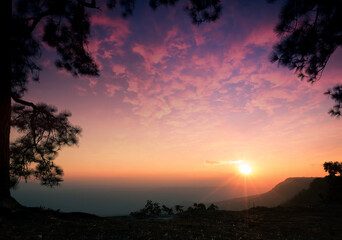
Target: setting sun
<point x="245" y="169"/>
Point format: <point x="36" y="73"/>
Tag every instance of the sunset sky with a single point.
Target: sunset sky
<point x="178" y="103"/>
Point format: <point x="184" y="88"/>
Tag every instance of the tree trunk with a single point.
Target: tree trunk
<point x="5" y="117"/>
<point x="5" y="104"/>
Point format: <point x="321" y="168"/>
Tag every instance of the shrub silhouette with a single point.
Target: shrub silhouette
<point x="167" y="211"/>
<point x="212" y="207"/>
<point x="179" y="208"/>
<point x="199" y="206"/>
<point x="151" y="209"/>
<point x="333" y="168"/>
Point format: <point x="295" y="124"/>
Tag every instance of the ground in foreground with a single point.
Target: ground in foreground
<point x="321" y="222"/>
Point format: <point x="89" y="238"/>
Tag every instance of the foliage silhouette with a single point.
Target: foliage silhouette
<point x="152" y="209"/>
<point x="167" y="210"/>
<point x="198" y="10"/>
<point x="336" y="94"/>
<point x="310" y="32"/>
<point x="333" y="168"/>
<point x="179" y="208"/>
<point x="66" y="29"/>
<point x="199" y="207"/>
<point x="212" y="207"/>
<point x="43" y="133"/>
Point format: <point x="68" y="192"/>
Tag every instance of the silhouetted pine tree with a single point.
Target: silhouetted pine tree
<point x="310" y="31"/>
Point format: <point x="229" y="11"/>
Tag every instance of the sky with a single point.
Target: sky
<point x="178" y="104"/>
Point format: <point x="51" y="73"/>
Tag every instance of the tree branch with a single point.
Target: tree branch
<point x="88" y="5"/>
<point x="316" y="18"/>
<point x="38" y="18"/>
<point x="18" y="100"/>
<point x="33" y="117"/>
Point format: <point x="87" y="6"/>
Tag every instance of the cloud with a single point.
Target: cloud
<point x="92" y="82"/>
<point x="81" y="91"/>
<point x="118" y="27"/>
<point x="111" y="89"/>
<point x="118" y="69"/>
<point x="46" y="63"/>
<point x="152" y="54"/>
<point x="108" y="37"/>
<point x="201" y="79"/>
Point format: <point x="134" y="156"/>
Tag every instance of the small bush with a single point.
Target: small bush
<point x="212" y="207"/>
<point x="179" y="208"/>
<point x="151" y="209"/>
<point x="167" y="211"/>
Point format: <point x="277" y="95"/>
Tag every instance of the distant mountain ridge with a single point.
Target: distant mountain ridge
<point x="280" y="194"/>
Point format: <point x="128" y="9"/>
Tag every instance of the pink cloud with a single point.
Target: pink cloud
<point x="175" y="40"/>
<point x="199" y="38"/>
<point x="262" y="36"/>
<point x="92" y="82"/>
<point x="111" y="89"/>
<point x="186" y="84"/>
<point x="46" y="63"/>
<point x="81" y="91"/>
<point x="118" y="69"/>
<point x="119" y="25"/>
<point x="117" y="29"/>
<point x="151" y="54"/>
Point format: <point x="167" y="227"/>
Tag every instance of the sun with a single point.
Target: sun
<point x="245" y="168"/>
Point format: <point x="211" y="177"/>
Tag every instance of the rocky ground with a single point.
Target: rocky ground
<point x="321" y="222"/>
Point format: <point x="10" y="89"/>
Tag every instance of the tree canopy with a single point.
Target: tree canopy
<point x="43" y="133"/>
<point x="44" y="130"/>
<point x="333" y="168"/>
<point x="309" y="32"/>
